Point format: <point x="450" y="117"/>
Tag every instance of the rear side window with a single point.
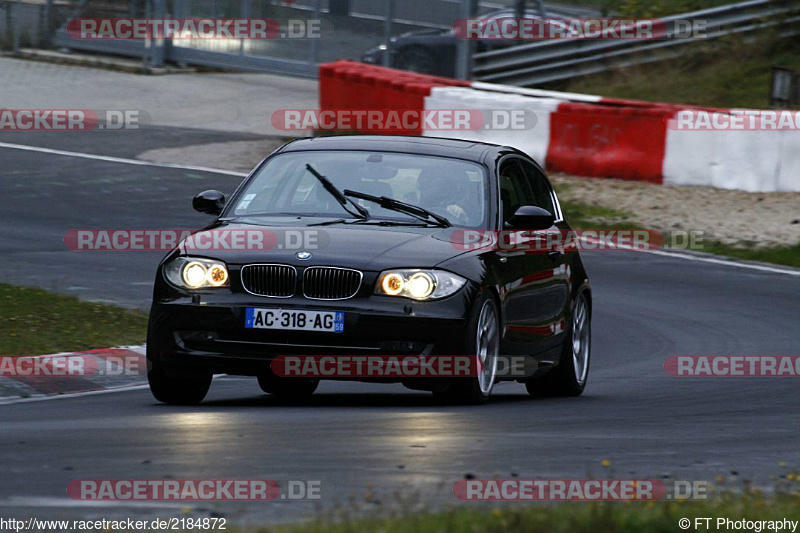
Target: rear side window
<point x="539" y="188"/>
<point x="513" y="193"/>
<point x="521" y="183"/>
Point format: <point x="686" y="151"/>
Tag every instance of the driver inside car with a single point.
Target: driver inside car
<point x="444" y="194"/>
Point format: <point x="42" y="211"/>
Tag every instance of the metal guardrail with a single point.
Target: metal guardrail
<point x="258" y="56"/>
<point x="547" y="61"/>
<point x="441" y="13"/>
<point x="345" y="36"/>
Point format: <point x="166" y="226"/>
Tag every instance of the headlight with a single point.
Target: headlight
<point x="196" y="273"/>
<point x="418" y="284"/>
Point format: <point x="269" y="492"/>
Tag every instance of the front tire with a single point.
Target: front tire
<point x="483" y="341"/>
<point x="570" y="376"/>
<point x="176" y="390"/>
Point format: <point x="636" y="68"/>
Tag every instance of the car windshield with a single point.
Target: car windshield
<point x="451" y="188"/>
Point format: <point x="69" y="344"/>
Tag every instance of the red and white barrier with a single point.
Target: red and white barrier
<point x="585" y="135"/>
<point x="534" y="142"/>
<point x="356" y="86"/>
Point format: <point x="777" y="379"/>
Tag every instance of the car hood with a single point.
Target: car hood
<point x="354" y="246"/>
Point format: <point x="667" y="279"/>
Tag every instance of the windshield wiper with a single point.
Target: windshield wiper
<point x="373" y="222"/>
<point x="336" y="193"/>
<point x="330" y="222"/>
<point x="402" y="207"/>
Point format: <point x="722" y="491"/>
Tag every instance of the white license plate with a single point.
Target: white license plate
<point x="332" y="321"/>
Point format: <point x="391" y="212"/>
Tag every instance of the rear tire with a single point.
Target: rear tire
<point x="287" y="387"/>
<point x="570" y="376"/>
<point x="176" y="390"/>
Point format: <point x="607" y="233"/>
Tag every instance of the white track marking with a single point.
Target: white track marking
<point x="39" y="501"/>
<point x="733" y="263"/>
<point x="8" y="401"/>
<point x="702" y="259"/>
<point x="120" y="159"/>
<point x="125" y="388"/>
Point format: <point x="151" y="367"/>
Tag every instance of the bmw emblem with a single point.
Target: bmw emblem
<point x="303" y="256"/>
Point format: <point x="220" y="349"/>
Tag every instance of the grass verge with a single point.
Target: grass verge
<point x="572" y="517"/>
<point x="728" y="73"/>
<point x="789" y="255"/>
<point x="581" y="216"/>
<point x="36" y="322"/>
<point x="645" y="8"/>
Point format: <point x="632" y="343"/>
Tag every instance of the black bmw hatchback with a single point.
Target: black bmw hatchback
<point x="358" y="247"/>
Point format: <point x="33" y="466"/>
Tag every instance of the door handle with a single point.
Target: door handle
<point x="555" y="254"/>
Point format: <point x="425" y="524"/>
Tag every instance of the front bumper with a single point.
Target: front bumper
<point x="188" y="336"/>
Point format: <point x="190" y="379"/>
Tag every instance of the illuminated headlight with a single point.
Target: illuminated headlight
<point x="419" y="284"/>
<point x="196" y="273"/>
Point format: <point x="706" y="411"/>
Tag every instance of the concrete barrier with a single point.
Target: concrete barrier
<point x="585" y="135"/>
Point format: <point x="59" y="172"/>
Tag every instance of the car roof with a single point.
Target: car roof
<point x="503" y="12"/>
<point x="435" y="146"/>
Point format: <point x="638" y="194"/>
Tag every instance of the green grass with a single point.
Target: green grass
<point x="565" y="517"/>
<point x="36" y="322"/>
<point x="645" y="8"/>
<point x="582" y="216"/>
<point x="727" y="73"/>
<point x="789" y="255"/>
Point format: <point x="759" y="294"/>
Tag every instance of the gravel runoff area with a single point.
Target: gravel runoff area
<point x="734" y="218"/>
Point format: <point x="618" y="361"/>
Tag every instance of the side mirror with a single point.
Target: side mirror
<point x="531" y="217"/>
<point x="209" y="202"/>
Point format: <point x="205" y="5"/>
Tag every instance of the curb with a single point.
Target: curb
<point x="102" y="369"/>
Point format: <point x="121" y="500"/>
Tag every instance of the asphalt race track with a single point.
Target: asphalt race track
<point x="372" y="442"/>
